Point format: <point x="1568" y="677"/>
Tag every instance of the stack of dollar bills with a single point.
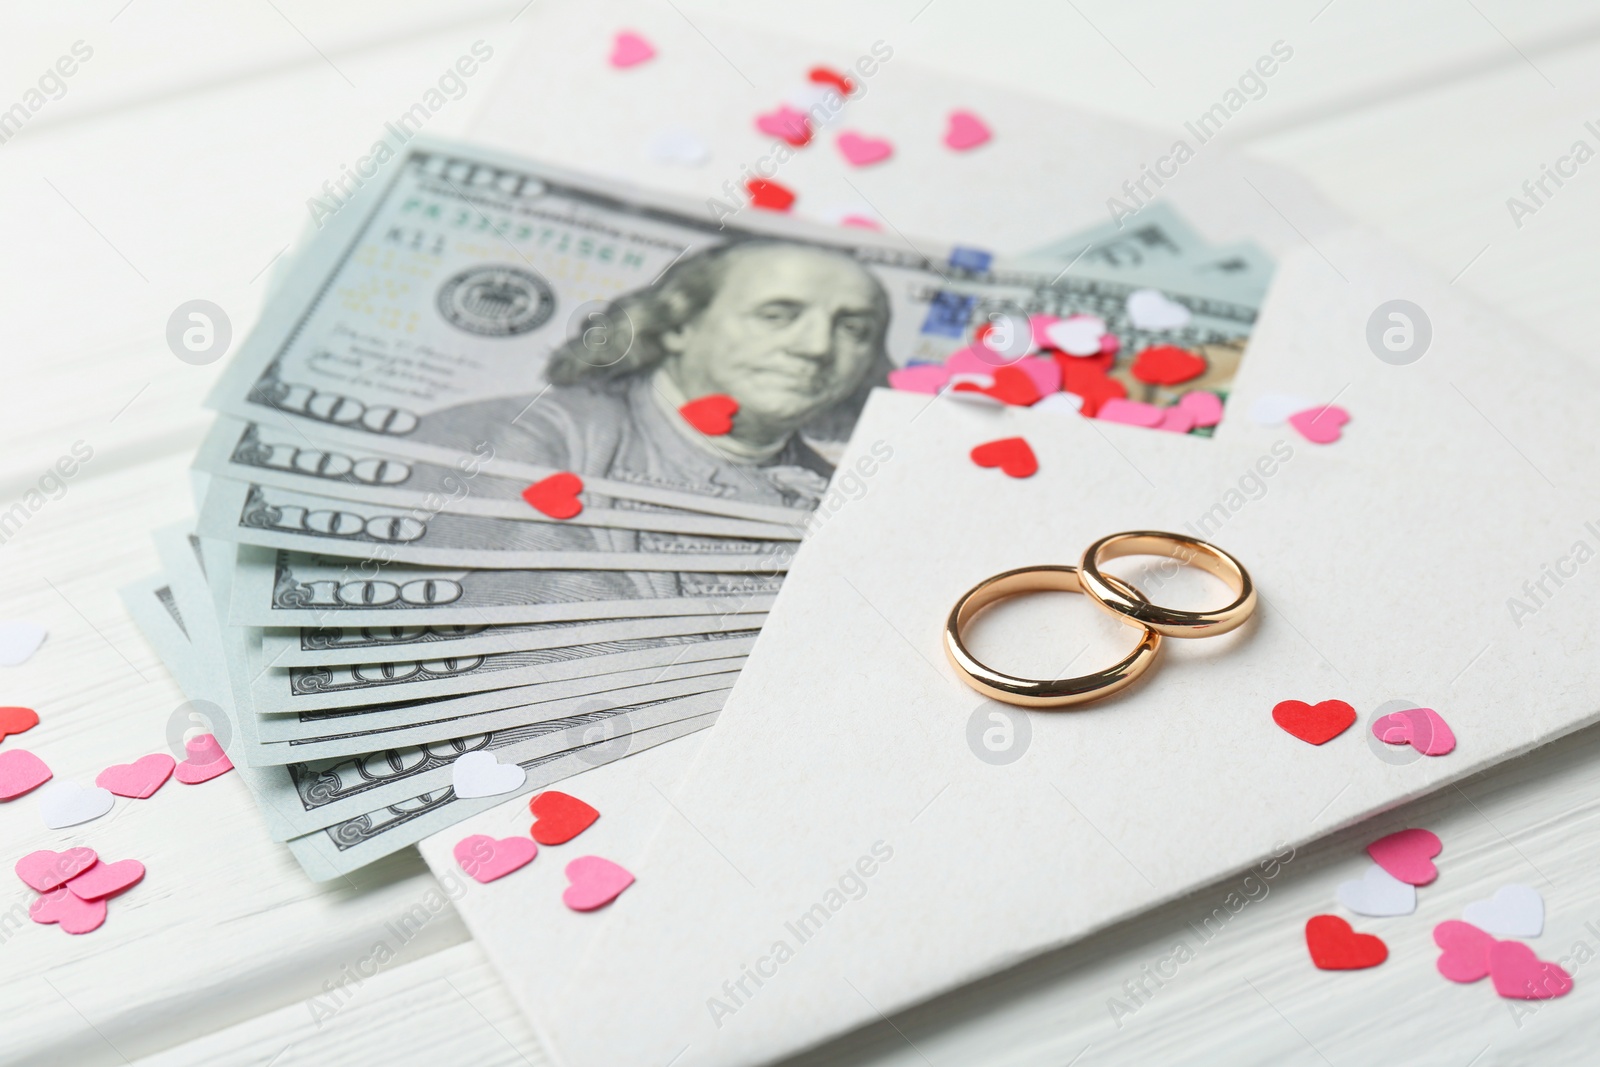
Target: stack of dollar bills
<point x="366" y="595"/>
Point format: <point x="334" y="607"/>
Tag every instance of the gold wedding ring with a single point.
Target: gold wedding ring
<point x="1113" y="595"/>
<point x="1042" y="693"/>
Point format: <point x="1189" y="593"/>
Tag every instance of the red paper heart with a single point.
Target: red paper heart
<point x="557" y="495"/>
<point x="769" y="195"/>
<point x="1315" y="724"/>
<point x="17" y="720"/>
<point x="1336" y="947"/>
<point x="1167" y="365"/>
<point x="824" y="76"/>
<point x="1083" y="378"/>
<point x="711" y="415"/>
<point x="561" y="817"/>
<point x="1011" y="386"/>
<point x="1010" y="454"/>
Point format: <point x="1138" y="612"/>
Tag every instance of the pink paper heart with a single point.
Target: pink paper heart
<point x="1206" y="408"/>
<point x="786" y="124"/>
<point x="1045" y="372"/>
<point x="1176" y="420"/>
<point x="74" y="914"/>
<point x="485" y="858"/>
<point x="1408" y="855"/>
<point x="139" y="779"/>
<point x="20" y="771"/>
<point x="106" y="879"/>
<point x="46" y="870"/>
<point x="1466" y="951"/>
<point x="1520" y="974"/>
<point x="629" y="50"/>
<point x="1131" y="412"/>
<point x="1421" y="728"/>
<point x="206" y="760"/>
<point x="976" y="359"/>
<point x="1320" y="425"/>
<point x="862" y="151"/>
<point x="966" y="131"/>
<point x="595" y="882"/>
<point x="925" y="378"/>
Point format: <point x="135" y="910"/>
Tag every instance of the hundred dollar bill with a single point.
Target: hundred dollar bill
<point x="356" y="842"/>
<point x="273" y="517"/>
<point x="330" y="791"/>
<point x="301" y="689"/>
<point x="289" y="458"/>
<point x="320" y="647"/>
<point x="464" y="300"/>
<point x="274" y="588"/>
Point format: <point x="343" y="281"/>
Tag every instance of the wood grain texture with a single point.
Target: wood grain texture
<point x="178" y="165"/>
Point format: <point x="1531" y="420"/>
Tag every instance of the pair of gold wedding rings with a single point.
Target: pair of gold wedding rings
<point x="1113" y="595"/>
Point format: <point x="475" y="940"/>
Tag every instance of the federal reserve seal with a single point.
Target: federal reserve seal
<point x="497" y="301"/>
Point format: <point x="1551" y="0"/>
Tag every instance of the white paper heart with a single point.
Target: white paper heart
<point x="1061" y="404"/>
<point x="63" y="804"/>
<point x="1513" y="911"/>
<point x="479" y="774"/>
<point x="1149" y="309"/>
<point x="1378" y="894"/>
<point x="1274" y="409"/>
<point x="684" y="148"/>
<point x="1078" y="336"/>
<point x="19" y="640"/>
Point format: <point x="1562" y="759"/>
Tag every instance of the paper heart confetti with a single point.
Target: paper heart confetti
<point x="1076" y="335"/>
<point x="1320" y="425"/>
<point x="139" y="779"/>
<point x="1378" y="894"/>
<point x="46" y="870"/>
<point x="20" y="771"/>
<point x="1273" y="409"/>
<point x="976" y="359"/>
<point x="63" y="804"/>
<point x="828" y="76"/>
<point x="1334" y="946"/>
<point x="628" y="49"/>
<point x="484" y="858"/>
<point x="205" y="760"/>
<point x="1010" y="386"/>
<point x="556" y="496"/>
<point x="860" y="150"/>
<point x="1085" y="380"/>
<point x="1045" y="372"/>
<point x="787" y="124"/>
<point x="1408" y="855"/>
<point x="561" y="817"/>
<point x="711" y="415"/>
<point x="973" y="389"/>
<point x="1521" y="975"/>
<point x="1466" y="951"/>
<point x="65" y="908"/>
<point x="1513" y="911"/>
<point x="1150" y="309"/>
<point x="678" y="147"/>
<point x="1206" y="408"/>
<point x="926" y="378"/>
<point x="479" y="774"/>
<point x="1175" y="419"/>
<point x="1002" y="337"/>
<point x="965" y="131"/>
<point x="1130" y="412"/>
<point x="769" y="195"/>
<point x="17" y="721"/>
<point x="1061" y="404"/>
<point x="105" y="880"/>
<point x="595" y="882"/>
<point x="1315" y="724"/>
<point x="1011" y="454"/>
<point x="1167" y="365"/>
<point x="19" y="640"/>
<point x="1422" y="728"/>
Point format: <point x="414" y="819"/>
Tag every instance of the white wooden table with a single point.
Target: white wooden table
<point x="177" y="163"/>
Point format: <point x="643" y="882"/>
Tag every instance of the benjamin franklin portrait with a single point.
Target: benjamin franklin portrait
<point x="793" y="332"/>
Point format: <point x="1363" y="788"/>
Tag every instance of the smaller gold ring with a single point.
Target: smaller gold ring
<point x="1032" y="692"/>
<point x="1112" y="594"/>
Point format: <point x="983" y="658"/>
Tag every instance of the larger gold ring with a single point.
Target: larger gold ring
<point x="1032" y="692"/>
<point x="1112" y="594"/>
